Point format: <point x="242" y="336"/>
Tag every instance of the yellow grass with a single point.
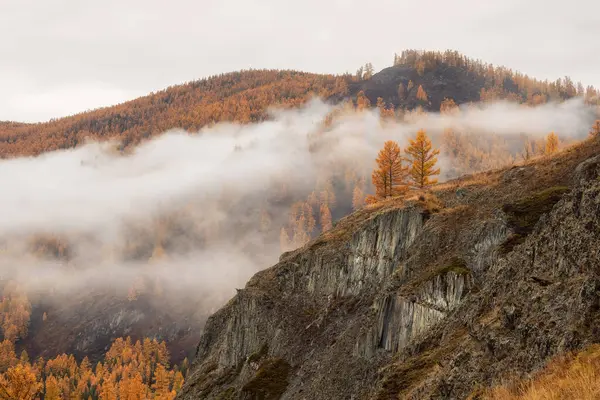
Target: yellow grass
<point x="567" y="377"/>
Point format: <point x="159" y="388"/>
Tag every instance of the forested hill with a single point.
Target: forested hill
<point x="417" y="79"/>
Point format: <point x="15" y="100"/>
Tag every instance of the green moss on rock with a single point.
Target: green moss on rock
<point x="256" y="357"/>
<point x="270" y="381"/>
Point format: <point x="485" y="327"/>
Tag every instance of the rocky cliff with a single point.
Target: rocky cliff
<point x="433" y="295"/>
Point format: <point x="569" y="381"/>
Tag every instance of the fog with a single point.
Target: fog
<point x="185" y="209"/>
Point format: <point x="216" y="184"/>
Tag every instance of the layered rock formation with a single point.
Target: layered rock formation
<point x="434" y="296"/>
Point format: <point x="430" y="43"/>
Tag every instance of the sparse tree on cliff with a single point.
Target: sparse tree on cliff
<point x="389" y="178"/>
<point x="423" y="159"/>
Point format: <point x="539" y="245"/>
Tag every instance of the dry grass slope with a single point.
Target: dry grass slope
<point x="574" y="376"/>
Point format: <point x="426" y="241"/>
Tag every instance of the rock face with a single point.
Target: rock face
<point x="400" y="302"/>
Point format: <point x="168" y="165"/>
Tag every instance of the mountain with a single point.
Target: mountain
<point x="246" y="96"/>
<point x="439" y="295"/>
<point x="380" y="285"/>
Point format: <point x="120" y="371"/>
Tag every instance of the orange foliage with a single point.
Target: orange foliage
<point x="552" y="143"/>
<point x="358" y="198"/>
<point x="326" y="223"/>
<point x="240" y="96"/>
<point x="19" y="382"/>
<point x="423" y="160"/>
<point x="421" y="94"/>
<point x="573" y="376"/>
<point x="131" y="371"/>
<point x="595" y="131"/>
<point x="15" y="310"/>
<point x="389" y="178"/>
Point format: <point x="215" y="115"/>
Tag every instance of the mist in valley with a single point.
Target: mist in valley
<point x="183" y="219"/>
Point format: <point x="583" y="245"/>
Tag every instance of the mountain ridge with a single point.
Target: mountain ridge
<point x="245" y="96"/>
<point x="394" y="301"/>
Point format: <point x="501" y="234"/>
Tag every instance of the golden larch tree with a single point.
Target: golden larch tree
<point x="380" y="105"/>
<point x="448" y="107"/>
<point x="362" y="101"/>
<point x="421" y="94"/>
<point x="19" y="382"/>
<point x="326" y="223"/>
<point x="595" y="131"/>
<point x="358" y="198"/>
<point x="423" y="159"/>
<point x="389" y="178"/>
<point x="552" y="143"/>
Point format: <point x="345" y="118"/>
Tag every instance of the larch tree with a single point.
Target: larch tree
<point x="380" y="105"/>
<point x="448" y="107"/>
<point x="362" y="101"/>
<point x="368" y="71"/>
<point x="552" y="143"/>
<point x="359" y="73"/>
<point x="358" y="198"/>
<point x="423" y="159"/>
<point x="421" y="94"/>
<point x="527" y="150"/>
<point x="595" y="131"/>
<point x="19" y="382"/>
<point x="389" y="178"/>
<point x="326" y="223"/>
<point x="540" y="146"/>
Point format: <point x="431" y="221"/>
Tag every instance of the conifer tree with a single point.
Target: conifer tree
<point x="362" y="101"/>
<point x="595" y="131"/>
<point x="423" y="160"/>
<point x="552" y="143"/>
<point x="448" y="107"/>
<point x="326" y="223"/>
<point x="421" y="94"/>
<point x="389" y="178"/>
<point x="358" y="198"/>
<point x="368" y="71"/>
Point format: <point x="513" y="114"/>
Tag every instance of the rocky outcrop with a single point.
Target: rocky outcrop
<point x="353" y="294"/>
<point x="399" y="302"/>
<point x="541" y="300"/>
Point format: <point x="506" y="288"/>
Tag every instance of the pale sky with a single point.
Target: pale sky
<point x="59" y="57"/>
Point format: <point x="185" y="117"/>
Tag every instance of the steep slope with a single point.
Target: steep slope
<point x="422" y="297"/>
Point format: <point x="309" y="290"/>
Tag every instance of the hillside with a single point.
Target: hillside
<point x="434" y="296"/>
<point x="223" y="209"/>
<point x="246" y="96"/>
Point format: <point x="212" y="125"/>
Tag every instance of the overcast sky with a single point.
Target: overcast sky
<point x="59" y="57"/>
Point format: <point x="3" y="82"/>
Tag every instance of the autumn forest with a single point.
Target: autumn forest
<point x="377" y="136"/>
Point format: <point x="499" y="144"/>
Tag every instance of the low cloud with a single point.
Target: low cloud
<point x="192" y="203"/>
